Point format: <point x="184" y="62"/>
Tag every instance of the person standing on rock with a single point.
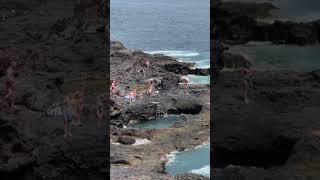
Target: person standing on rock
<point x="132" y="96"/>
<point x="146" y="66"/>
<point x="185" y="81"/>
<point x="151" y="88"/>
<point x="99" y="110"/>
<point x="244" y="83"/>
<point x="78" y="106"/>
<point x="68" y="114"/>
<point x="113" y="87"/>
<point x="11" y="85"/>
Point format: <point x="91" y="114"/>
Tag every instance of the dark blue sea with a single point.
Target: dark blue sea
<point x="177" y="28"/>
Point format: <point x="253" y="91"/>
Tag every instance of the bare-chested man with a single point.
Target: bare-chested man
<point x="11" y="84"/>
<point x="244" y="83"/>
<point x="78" y="106"/>
<point x="68" y="114"/>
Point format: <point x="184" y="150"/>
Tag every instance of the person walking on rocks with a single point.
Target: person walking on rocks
<point x="244" y="83"/>
<point x="11" y="85"/>
<point x="68" y="112"/>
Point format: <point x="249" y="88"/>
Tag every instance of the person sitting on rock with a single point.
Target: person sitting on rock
<point x="68" y="112"/>
<point x="11" y="85"/>
<point x="185" y="81"/>
<point x="244" y="83"/>
<point x="99" y="110"/>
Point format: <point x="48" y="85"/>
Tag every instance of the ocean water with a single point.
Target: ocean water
<point x="159" y="123"/>
<point x="266" y="56"/>
<point x="199" y="79"/>
<point x="179" y="28"/>
<point x="195" y="161"/>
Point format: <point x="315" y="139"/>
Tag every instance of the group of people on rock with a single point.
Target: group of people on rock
<point x="149" y="89"/>
<point x="135" y="93"/>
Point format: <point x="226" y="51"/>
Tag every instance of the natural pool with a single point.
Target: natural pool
<point x="195" y="161"/>
<point x="159" y="123"/>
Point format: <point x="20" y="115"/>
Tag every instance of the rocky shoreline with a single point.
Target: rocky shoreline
<point x="148" y="160"/>
<point x="274" y="136"/>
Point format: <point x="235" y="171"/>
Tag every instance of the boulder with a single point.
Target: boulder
<point x="127" y="140"/>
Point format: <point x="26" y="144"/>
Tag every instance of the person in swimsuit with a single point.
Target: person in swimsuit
<point x="244" y="83"/>
<point x="113" y="87"/>
<point x="11" y="85"/>
<point x="185" y="81"/>
<point x="151" y="88"/>
<point x="146" y="65"/>
<point x="132" y="96"/>
<point x="78" y="106"/>
<point x="99" y="110"/>
<point x="68" y="114"/>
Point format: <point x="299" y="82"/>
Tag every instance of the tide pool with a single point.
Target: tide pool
<point x="159" y="123"/>
<point x="195" y="161"/>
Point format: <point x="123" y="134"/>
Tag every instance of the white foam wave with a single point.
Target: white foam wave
<point x="204" y="171"/>
<point x="171" y="157"/>
<point x="175" y="53"/>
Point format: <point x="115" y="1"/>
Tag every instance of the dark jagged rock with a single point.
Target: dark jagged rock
<point x="127" y="140"/>
<point x="238" y="25"/>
